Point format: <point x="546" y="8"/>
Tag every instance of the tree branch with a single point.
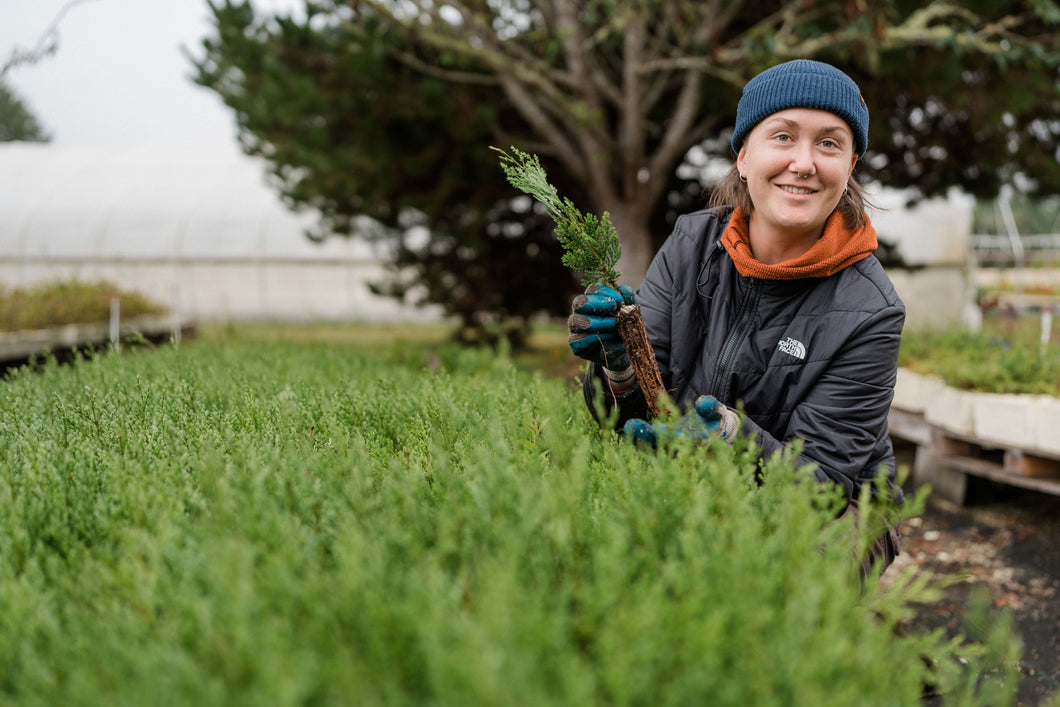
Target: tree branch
<point x="631" y="125"/>
<point x="562" y="148"/>
<point x="933" y="25"/>
<point x="464" y="77"/>
<point x="673" y="145"/>
<point x="579" y="63"/>
<point x="46" y="44"/>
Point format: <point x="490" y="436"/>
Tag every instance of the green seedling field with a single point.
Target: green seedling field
<point x="258" y="521"/>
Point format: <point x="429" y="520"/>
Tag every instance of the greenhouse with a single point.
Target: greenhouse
<point x="197" y="228"/>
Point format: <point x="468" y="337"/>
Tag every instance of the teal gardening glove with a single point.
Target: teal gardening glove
<point x="709" y="418"/>
<point x="594" y="330"/>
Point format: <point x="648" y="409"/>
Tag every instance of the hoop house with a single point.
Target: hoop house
<point x="194" y="227"/>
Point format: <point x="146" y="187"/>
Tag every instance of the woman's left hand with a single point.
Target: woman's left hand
<point x="709" y="418"/>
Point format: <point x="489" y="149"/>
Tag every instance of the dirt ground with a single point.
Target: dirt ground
<point x="1005" y="541"/>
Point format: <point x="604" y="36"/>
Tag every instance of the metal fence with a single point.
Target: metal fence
<point x="990" y="249"/>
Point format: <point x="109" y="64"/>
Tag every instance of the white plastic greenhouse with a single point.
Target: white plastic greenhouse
<point x="195" y="227"/>
<point x="198" y="228"/>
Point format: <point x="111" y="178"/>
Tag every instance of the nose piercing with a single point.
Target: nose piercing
<point x="804" y="176"/>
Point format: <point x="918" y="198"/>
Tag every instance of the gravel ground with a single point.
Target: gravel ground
<point x="1004" y="541"/>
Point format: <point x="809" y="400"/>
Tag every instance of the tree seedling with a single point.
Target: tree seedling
<point x="590" y="247"/>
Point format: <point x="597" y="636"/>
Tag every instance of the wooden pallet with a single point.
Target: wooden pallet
<point x="945" y="460"/>
<point x="1018" y="461"/>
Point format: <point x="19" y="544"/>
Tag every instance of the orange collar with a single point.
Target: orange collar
<point x="837" y="248"/>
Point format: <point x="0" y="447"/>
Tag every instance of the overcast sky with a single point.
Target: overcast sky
<point x="119" y="75"/>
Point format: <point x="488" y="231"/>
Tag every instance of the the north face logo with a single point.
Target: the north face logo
<point x="792" y="347"/>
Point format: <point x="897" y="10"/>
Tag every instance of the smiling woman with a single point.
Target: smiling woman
<point x="796" y="164"/>
<point x="769" y="315"/>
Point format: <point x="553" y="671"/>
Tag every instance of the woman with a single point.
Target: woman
<point x="771" y="301"/>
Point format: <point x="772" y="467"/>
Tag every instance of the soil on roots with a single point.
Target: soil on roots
<point x="641" y="355"/>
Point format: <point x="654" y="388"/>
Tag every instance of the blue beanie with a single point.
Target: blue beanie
<point x="802" y="84"/>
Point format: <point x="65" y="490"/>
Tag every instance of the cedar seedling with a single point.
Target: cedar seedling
<point x="590" y="244"/>
<point x="590" y="247"/>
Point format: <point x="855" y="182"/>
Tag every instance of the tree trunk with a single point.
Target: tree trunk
<point x="636" y="238"/>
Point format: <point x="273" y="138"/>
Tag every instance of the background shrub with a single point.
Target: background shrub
<point x="68" y="302"/>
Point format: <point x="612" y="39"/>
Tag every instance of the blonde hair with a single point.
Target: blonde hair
<point x="732" y="191"/>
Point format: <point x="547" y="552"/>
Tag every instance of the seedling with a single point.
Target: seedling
<point x="590" y="247"/>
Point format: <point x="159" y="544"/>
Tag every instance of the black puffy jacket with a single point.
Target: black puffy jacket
<point x="813" y="359"/>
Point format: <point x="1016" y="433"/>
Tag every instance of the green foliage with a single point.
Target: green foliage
<point x="17" y="122"/>
<point x="350" y="131"/>
<point x="259" y="521"/>
<point x="68" y="302"/>
<point x="590" y="244"/>
<point x="990" y="361"/>
<point x="383" y="110"/>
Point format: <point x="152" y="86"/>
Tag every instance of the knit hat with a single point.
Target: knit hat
<point x="802" y="83"/>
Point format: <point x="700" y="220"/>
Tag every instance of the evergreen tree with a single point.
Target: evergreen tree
<point x="387" y="110"/>
<point x="16" y="120"/>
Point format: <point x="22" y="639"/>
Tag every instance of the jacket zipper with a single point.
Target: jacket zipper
<point x="750" y="306"/>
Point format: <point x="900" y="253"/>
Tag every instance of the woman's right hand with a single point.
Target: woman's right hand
<point x="594" y="328"/>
